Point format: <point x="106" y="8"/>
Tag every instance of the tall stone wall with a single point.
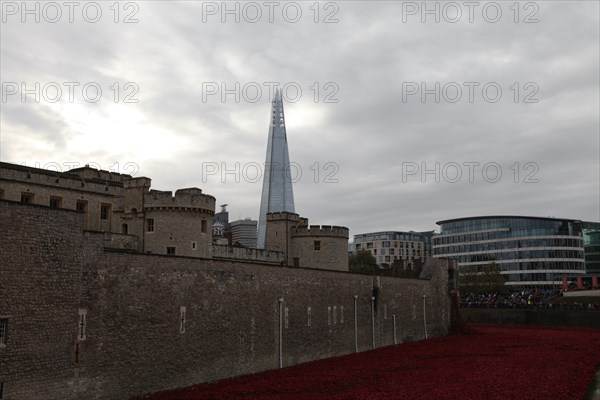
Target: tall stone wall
<point x="155" y="322"/>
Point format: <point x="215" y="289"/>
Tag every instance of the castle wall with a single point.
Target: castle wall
<point x="183" y="221"/>
<point x="278" y="237"/>
<point x="52" y="271"/>
<point x="43" y="185"/>
<point x="47" y="268"/>
<point x="180" y="229"/>
<point x="320" y="247"/>
<point x="132" y="212"/>
<point x="245" y="253"/>
<point x="120" y="204"/>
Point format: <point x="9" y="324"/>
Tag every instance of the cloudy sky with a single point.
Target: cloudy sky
<point x="398" y="114"/>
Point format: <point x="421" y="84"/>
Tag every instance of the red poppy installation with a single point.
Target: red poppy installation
<point x="494" y="362"/>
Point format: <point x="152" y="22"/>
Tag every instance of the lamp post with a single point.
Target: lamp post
<point x="281" y="332"/>
<point x="355" y="324"/>
<point x="424" y="317"/>
<point x="394" y="318"/>
<point x="373" y="320"/>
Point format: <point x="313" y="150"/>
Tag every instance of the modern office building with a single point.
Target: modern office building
<point x="277" y="193"/>
<point x="591" y="245"/>
<point x="243" y="232"/>
<point x="390" y="246"/>
<point x="530" y="251"/>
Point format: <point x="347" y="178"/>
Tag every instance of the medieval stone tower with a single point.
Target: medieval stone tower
<point x="180" y="224"/>
<point x="307" y="246"/>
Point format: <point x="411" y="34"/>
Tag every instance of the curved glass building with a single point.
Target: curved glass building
<point x="530" y="251"/>
<point x="591" y="243"/>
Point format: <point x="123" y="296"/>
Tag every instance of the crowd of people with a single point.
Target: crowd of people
<point x="535" y="298"/>
<point x="532" y="299"/>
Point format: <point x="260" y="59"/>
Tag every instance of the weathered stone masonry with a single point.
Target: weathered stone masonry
<point x="138" y="340"/>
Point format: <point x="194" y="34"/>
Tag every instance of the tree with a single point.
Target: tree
<point x="362" y="262"/>
<point x="399" y="270"/>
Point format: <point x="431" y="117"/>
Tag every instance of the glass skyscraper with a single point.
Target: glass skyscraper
<point x="277" y="193"/>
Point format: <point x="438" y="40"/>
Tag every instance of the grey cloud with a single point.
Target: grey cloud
<point x="370" y="132"/>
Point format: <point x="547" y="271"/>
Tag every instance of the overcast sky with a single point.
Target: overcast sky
<point x="517" y="92"/>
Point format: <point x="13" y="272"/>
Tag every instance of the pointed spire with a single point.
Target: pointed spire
<point x="277" y="193"/>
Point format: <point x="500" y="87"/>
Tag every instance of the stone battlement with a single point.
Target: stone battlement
<point x="184" y="198"/>
<point x="283" y="215"/>
<point x="321" y="230"/>
<point x="93" y="173"/>
<point x="86" y="179"/>
<point x="137" y="182"/>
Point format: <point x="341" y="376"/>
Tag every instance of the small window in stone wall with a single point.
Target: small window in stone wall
<point x="150" y="225"/>
<point x="170" y="250"/>
<point x="55" y="202"/>
<point x="194" y="246"/>
<point x="27" y="198"/>
<point x="296" y="261"/>
<point x="203" y="226"/>
<point x="334" y="315"/>
<point x="3" y="332"/>
<point x="81" y="325"/>
<point x="329" y="315"/>
<point x="317" y="245"/>
<point x="182" y="319"/>
<point x="104" y="211"/>
<point x="81" y="205"/>
<point x="309" y="316"/>
<point x="287" y="317"/>
<point x="341" y="314"/>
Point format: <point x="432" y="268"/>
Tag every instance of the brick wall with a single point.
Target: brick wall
<point x="50" y="270"/>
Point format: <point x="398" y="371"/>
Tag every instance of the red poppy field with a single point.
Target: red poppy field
<point x="493" y="362"/>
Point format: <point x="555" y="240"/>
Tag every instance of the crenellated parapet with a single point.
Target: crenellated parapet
<point x="140" y="182"/>
<point x="283" y="216"/>
<point x="80" y="179"/>
<point x="189" y="199"/>
<point x="321" y="230"/>
<point x="90" y="173"/>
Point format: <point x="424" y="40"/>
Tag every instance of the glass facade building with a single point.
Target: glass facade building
<point x="530" y="251"/>
<point x="591" y="244"/>
<point x="277" y="192"/>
